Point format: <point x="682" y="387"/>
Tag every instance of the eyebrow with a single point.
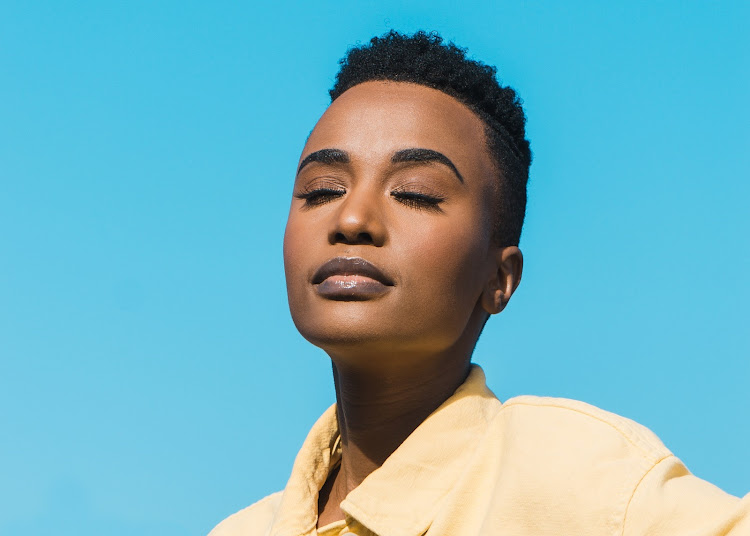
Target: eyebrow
<point x="425" y="155"/>
<point x="414" y="154"/>
<point x="325" y="156"/>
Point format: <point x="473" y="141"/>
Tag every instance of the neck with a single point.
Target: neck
<point x="377" y="411"/>
<point x="381" y="398"/>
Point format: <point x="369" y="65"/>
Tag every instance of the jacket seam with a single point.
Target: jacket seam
<point x="635" y="490"/>
<point x="608" y="423"/>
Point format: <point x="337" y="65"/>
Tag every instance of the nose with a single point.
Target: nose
<point x="359" y="220"/>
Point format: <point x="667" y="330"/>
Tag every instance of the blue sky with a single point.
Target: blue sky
<point x="151" y="379"/>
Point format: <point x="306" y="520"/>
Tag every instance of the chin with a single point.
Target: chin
<point x="358" y="329"/>
<point x="333" y="332"/>
<point x="371" y="342"/>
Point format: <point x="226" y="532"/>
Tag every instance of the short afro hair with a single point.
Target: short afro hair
<point x="423" y="58"/>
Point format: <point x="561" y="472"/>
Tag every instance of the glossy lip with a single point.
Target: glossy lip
<point x="350" y="278"/>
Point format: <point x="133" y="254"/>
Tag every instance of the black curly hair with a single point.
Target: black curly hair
<point x="423" y="58"/>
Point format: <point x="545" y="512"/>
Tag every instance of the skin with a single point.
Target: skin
<point x="400" y="350"/>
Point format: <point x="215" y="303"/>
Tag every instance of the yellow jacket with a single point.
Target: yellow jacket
<point x="529" y="466"/>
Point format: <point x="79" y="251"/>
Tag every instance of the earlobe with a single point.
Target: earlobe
<point x="493" y="301"/>
<point x="504" y="280"/>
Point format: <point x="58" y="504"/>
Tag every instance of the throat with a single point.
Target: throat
<point x="376" y="413"/>
<point x="329" y="501"/>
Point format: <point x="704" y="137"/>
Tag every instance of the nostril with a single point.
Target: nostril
<point x="365" y="238"/>
<point x="358" y="238"/>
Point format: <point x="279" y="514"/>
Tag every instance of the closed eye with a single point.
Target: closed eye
<point x="418" y="200"/>
<point x="320" y="196"/>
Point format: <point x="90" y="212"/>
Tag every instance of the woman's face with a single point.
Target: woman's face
<point x="388" y="247"/>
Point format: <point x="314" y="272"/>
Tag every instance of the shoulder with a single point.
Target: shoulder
<point x="570" y="453"/>
<point x="570" y="464"/>
<point x="254" y="519"/>
<point x="567" y="463"/>
<point x="574" y="422"/>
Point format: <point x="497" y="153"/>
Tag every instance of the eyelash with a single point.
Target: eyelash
<point x="320" y="196"/>
<point x="417" y="200"/>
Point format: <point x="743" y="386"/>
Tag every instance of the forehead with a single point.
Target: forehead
<point x="373" y="120"/>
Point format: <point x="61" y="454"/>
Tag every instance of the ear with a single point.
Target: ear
<point x="504" y="280"/>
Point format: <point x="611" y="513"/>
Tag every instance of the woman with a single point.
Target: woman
<point x="402" y="240"/>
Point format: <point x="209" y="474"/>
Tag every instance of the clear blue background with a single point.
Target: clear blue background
<point x="151" y="380"/>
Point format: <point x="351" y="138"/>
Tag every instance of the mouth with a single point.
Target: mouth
<point x="350" y="279"/>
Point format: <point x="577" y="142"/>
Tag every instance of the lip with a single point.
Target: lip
<point x="350" y="278"/>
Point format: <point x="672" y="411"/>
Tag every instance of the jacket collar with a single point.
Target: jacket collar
<point x="403" y="496"/>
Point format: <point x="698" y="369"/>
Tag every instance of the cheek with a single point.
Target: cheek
<point x="294" y="253"/>
<point x="296" y="250"/>
<point x="451" y="259"/>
